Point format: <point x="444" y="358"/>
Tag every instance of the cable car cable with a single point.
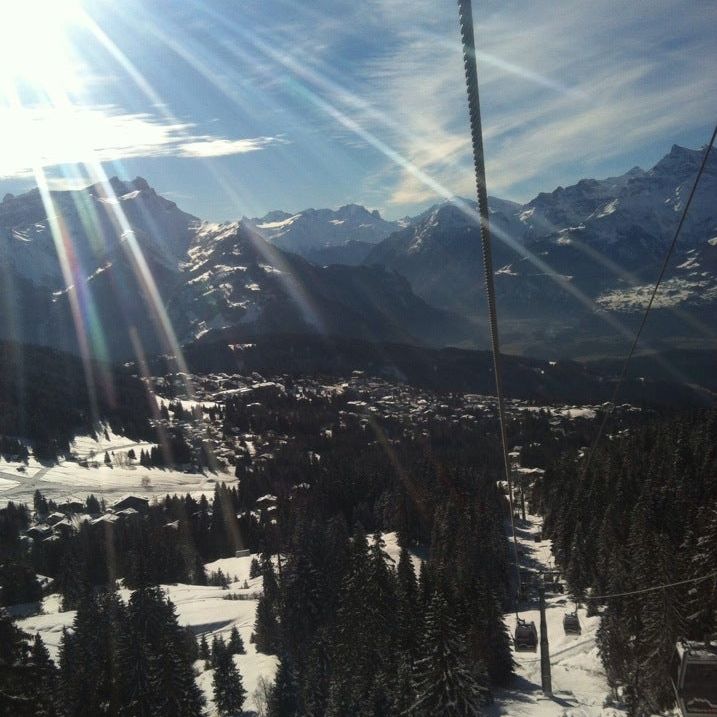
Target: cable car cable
<point x="465" y="19"/>
<point x="702" y="578"/>
<point x="666" y="261"/>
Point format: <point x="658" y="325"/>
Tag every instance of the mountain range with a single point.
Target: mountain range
<point x="574" y="268"/>
<point x="100" y="268"/>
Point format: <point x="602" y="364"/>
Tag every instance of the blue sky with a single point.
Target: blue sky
<point x="236" y="107"/>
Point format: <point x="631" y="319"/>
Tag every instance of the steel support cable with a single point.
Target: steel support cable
<point x="702" y="578"/>
<point x="623" y="373"/>
<point x="465" y="17"/>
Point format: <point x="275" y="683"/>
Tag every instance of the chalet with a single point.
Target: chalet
<point x="63" y="527"/>
<point x="106" y="519"/>
<point x="128" y="513"/>
<point x="54" y="518"/>
<point x="71" y="505"/>
<point x="38" y="532"/>
<point x="139" y="505"/>
<point x="265" y="501"/>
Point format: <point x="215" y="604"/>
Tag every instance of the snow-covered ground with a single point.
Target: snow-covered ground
<point x="204" y="609"/>
<point x="68" y="478"/>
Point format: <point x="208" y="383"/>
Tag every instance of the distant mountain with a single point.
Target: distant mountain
<point x="570" y="263"/>
<point x="234" y="277"/>
<point x="68" y="261"/>
<point x="97" y="269"/>
<point x="316" y="229"/>
<point x="90" y="221"/>
<point x="102" y="268"/>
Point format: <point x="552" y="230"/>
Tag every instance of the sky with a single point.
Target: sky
<point x="236" y="107"/>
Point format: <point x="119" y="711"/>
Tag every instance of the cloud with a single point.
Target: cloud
<point x="565" y="92"/>
<point x="70" y="135"/>
<point x="213" y="147"/>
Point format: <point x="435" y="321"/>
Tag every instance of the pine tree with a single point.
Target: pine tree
<point x="404" y="696"/>
<point x="45" y="679"/>
<point x="266" y="628"/>
<point x="40" y="503"/>
<point x="444" y="682"/>
<point x="236" y="644"/>
<point x="87" y="664"/>
<point x="408" y="609"/>
<point x="702" y="605"/>
<point x="153" y="665"/>
<point x="203" y="648"/>
<point x="218" y="649"/>
<point x="17" y="686"/>
<point x="491" y="645"/>
<point x="283" y="701"/>
<point x="315" y="685"/>
<point x="199" y="576"/>
<point x="229" y="692"/>
<point x="303" y="596"/>
<point x="663" y="625"/>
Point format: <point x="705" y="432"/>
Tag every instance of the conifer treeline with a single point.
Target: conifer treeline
<point x="644" y="515"/>
<point x="47" y="396"/>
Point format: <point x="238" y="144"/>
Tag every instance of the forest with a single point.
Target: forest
<point x="643" y="515"/>
<point x="354" y="631"/>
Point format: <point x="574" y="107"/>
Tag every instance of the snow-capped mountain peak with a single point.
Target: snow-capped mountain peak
<point x="313" y="229"/>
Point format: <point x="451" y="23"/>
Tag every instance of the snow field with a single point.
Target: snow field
<point x="202" y="608"/>
<point x="111" y="482"/>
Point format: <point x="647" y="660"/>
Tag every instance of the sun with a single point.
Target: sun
<point x="35" y="46"/>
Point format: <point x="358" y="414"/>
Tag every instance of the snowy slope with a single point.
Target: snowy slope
<point x="70" y="478"/>
<point x="91" y="222"/>
<point x="201" y="608"/>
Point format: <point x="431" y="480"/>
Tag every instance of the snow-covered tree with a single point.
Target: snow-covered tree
<point x="445" y="683"/>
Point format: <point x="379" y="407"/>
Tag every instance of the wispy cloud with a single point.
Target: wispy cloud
<point x="71" y="135"/>
<point x="563" y="91"/>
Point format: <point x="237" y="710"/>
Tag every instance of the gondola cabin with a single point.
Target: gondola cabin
<point x="526" y="637"/>
<point x="551" y="582"/>
<point x="571" y="624"/>
<point x="527" y="583"/>
<point x="694" y="678"/>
